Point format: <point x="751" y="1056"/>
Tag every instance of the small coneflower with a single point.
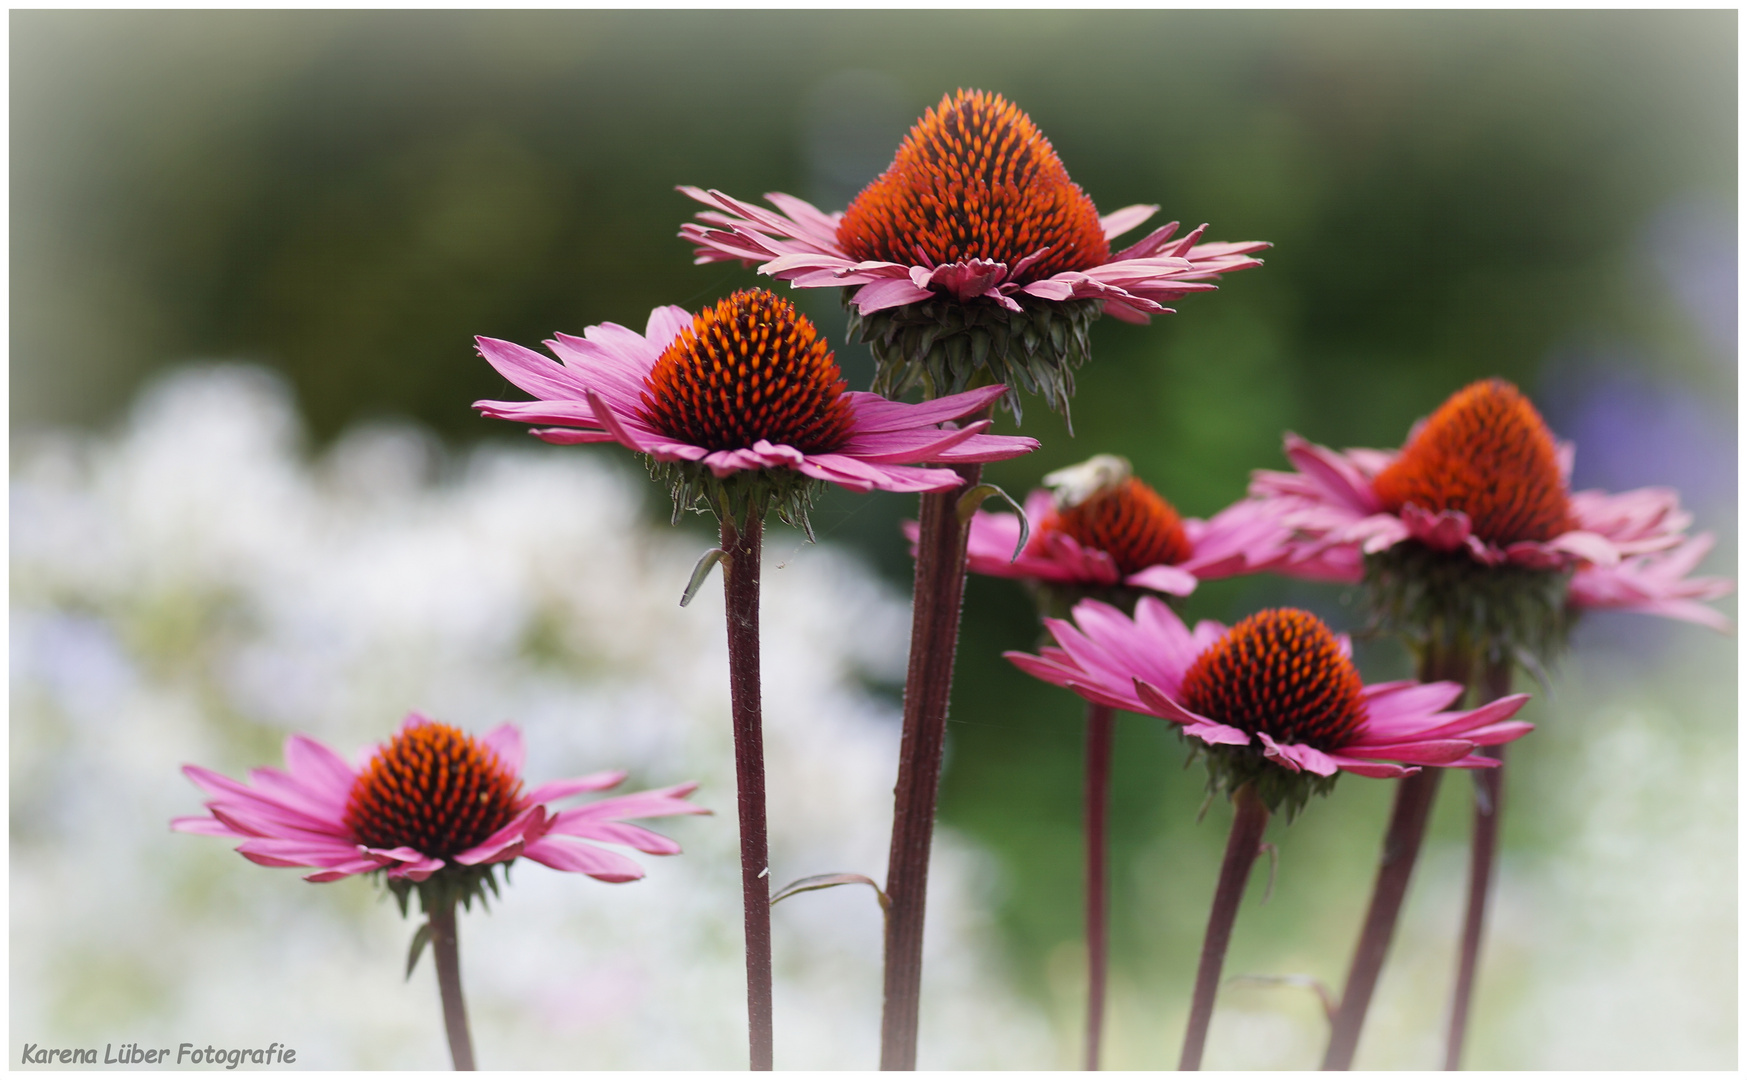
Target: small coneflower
<point x="1099" y="529"/>
<point x="435" y="811"/>
<point x="1277" y="710"/>
<point x="972" y="257"/>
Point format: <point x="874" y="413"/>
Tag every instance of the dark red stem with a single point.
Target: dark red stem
<point x="1482" y="856"/>
<point x="1414" y="796"/>
<point x="1100" y="727"/>
<point x="1249" y="821"/>
<point x="939" y="594"/>
<point x="740" y="580"/>
<point x="446" y="951"/>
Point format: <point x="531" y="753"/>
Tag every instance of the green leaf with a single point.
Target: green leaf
<point x="970" y="500"/>
<point x="701" y="574"/>
<point x="826" y="881"/>
<point x="420" y="939"/>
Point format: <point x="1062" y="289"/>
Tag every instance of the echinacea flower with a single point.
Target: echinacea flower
<point x="434" y="810"/>
<point x="432" y="800"/>
<point x="1479" y="501"/>
<point x="1271" y="700"/>
<point x="1276" y="709"/>
<point x="746" y="390"/>
<point x="973" y="250"/>
<point x="1100" y="527"/>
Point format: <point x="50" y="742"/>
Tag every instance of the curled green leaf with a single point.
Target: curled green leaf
<point x="1316" y="986"/>
<point x="970" y="500"/>
<point x="420" y="939"/>
<point x="826" y="881"/>
<point x="701" y="573"/>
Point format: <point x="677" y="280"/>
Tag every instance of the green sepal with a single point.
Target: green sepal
<point x="1449" y="602"/>
<point x="453" y="884"/>
<point x="1231" y="767"/>
<point x="739" y="496"/>
<point x="947" y="346"/>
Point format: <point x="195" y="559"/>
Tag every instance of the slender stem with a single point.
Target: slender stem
<point x="1248" y="822"/>
<point x="740" y="580"/>
<point x="939" y="594"/>
<point x="1483" y="855"/>
<point x="1414" y="796"/>
<point x="1100" y="727"/>
<point x="445" y="949"/>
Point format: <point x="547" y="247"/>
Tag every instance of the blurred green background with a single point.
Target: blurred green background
<point x="349" y="198"/>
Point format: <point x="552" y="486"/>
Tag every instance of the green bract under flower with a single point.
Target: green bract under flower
<point x="945" y="346"/>
<point x="1449" y="602"/>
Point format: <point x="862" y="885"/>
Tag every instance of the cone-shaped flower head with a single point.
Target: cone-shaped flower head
<point x="975" y="180"/>
<point x="740" y="406"/>
<point x="1487" y="454"/>
<point x="433" y="808"/>
<point x="1101" y="531"/>
<point x="1274" y="700"/>
<point x="1470" y="533"/>
<point x="973" y="258"/>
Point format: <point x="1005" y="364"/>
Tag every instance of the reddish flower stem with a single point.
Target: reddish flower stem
<point x="740" y="581"/>
<point x="1249" y="821"/>
<point x="1488" y="808"/>
<point x="1100" y="729"/>
<point x="939" y="595"/>
<point x="1414" y="796"/>
<point x="445" y="950"/>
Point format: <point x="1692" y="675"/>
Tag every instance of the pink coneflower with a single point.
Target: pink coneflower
<point x="1101" y="526"/>
<point x="1102" y="532"/>
<point x="1277" y="709"/>
<point x="1278" y="689"/>
<point x="746" y="386"/>
<point x="1484" y="477"/>
<point x="977" y="210"/>
<point x="435" y="810"/>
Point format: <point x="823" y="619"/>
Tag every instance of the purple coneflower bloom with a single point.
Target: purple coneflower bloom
<point x="429" y="798"/>
<point x="1279" y="684"/>
<point x="1484" y="476"/>
<point x="975" y="205"/>
<point x="745" y="385"/>
<point x="1101" y="526"/>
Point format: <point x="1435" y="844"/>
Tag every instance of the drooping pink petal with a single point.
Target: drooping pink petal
<point x="578" y="857"/>
<point x="553" y="790"/>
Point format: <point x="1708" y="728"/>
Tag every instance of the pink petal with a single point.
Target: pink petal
<point x="553" y="790"/>
<point x="580" y="858"/>
<point x="1166" y="579"/>
<point x="505" y="741"/>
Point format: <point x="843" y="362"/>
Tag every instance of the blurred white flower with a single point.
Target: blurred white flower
<point x="192" y="589"/>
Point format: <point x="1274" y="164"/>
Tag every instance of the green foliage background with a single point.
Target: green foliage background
<point x="349" y="197"/>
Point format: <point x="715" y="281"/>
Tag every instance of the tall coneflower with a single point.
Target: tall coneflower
<point x="1472" y="547"/>
<point x="1100" y="531"/>
<point x="435" y="811"/>
<point x="1276" y="710"/>
<point x="742" y="409"/>
<point x="972" y="260"/>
